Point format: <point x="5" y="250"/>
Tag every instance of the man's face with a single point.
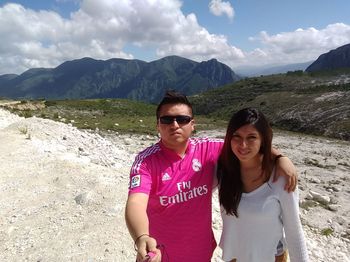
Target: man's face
<point x="174" y="134"/>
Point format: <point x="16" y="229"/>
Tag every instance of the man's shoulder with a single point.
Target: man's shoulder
<point x="211" y="147"/>
<point x="144" y="157"/>
<point x="149" y="151"/>
<point x="205" y="140"/>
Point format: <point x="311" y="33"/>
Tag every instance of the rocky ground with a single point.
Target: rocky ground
<point x="63" y="192"/>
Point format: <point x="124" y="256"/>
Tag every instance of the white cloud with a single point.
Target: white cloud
<point x="301" y="45"/>
<point x="104" y="29"/>
<point x="45" y="39"/>
<point x="195" y="42"/>
<point x="218" y="8"/>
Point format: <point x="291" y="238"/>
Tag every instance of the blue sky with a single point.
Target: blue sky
<point x="241" y="33"/>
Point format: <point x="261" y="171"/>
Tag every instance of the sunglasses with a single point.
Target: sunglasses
<point x="180" y="119"/>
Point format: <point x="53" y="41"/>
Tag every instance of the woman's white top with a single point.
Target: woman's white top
<point x="264" y="215"/>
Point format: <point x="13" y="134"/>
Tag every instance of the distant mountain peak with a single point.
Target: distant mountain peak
<point x="334" y="59"/>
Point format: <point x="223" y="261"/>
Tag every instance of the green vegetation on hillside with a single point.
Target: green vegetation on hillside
<point x="118" y="115"/>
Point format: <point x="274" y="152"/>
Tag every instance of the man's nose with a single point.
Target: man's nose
<point x="175" y="123"/>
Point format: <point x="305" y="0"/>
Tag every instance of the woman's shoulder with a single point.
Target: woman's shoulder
<point x="277" y="186"/>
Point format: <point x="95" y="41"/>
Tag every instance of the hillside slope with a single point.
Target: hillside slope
<point x="335" y="59"/>
<point x="314" y="105"/>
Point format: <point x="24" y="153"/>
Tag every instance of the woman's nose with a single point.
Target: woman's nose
<point x="243" y="143"/>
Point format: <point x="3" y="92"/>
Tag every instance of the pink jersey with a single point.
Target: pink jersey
<point x="179" y="189"/>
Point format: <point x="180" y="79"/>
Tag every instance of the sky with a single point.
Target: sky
<point x="239" y="33"/>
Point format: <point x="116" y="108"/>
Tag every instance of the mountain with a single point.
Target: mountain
<point x="117" y="78"/>
<point x="280" y="69"/>
<point x="335" y="59"/>
<point x="5" y="79"/>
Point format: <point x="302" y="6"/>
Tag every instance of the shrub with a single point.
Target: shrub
<point x="327" y="231"/>
<point x="50" y="103"/>
<point x="27" y="114"/>
<point x="23" y="130"/>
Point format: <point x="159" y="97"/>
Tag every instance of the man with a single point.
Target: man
<point x="168" y="210"/>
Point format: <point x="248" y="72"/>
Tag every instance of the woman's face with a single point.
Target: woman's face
<point x="246" y="142"/>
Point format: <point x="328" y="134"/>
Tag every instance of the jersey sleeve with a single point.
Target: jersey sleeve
<point x="215" y="147"/>
<point x="291" y="222"/>
<point x="140" y="177"/>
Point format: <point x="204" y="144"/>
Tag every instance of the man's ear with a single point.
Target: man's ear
<point x="193" y="125"/>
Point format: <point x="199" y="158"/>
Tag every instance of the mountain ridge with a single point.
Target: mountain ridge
<point x="117" y="78"/>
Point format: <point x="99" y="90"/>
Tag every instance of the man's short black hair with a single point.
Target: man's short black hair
<point x="173" y="97"/>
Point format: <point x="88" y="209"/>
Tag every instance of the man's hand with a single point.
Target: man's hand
<point x="144" y="245"/>
<point x="285" y="167"/>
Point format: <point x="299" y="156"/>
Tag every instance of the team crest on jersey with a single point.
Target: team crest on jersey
<point x="196" y="165"/>
<point x="166" y="177"/>
<point x="135" y="181"/>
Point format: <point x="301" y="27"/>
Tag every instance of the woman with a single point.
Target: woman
<point x="256" y="212"/>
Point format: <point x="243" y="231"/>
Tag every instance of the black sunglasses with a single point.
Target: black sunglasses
<point x="180" y="119"/>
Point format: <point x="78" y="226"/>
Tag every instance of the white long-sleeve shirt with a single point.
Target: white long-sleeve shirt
<point x="263" y="216"/>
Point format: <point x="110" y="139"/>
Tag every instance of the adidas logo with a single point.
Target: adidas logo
<point x="166" y="177"/>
